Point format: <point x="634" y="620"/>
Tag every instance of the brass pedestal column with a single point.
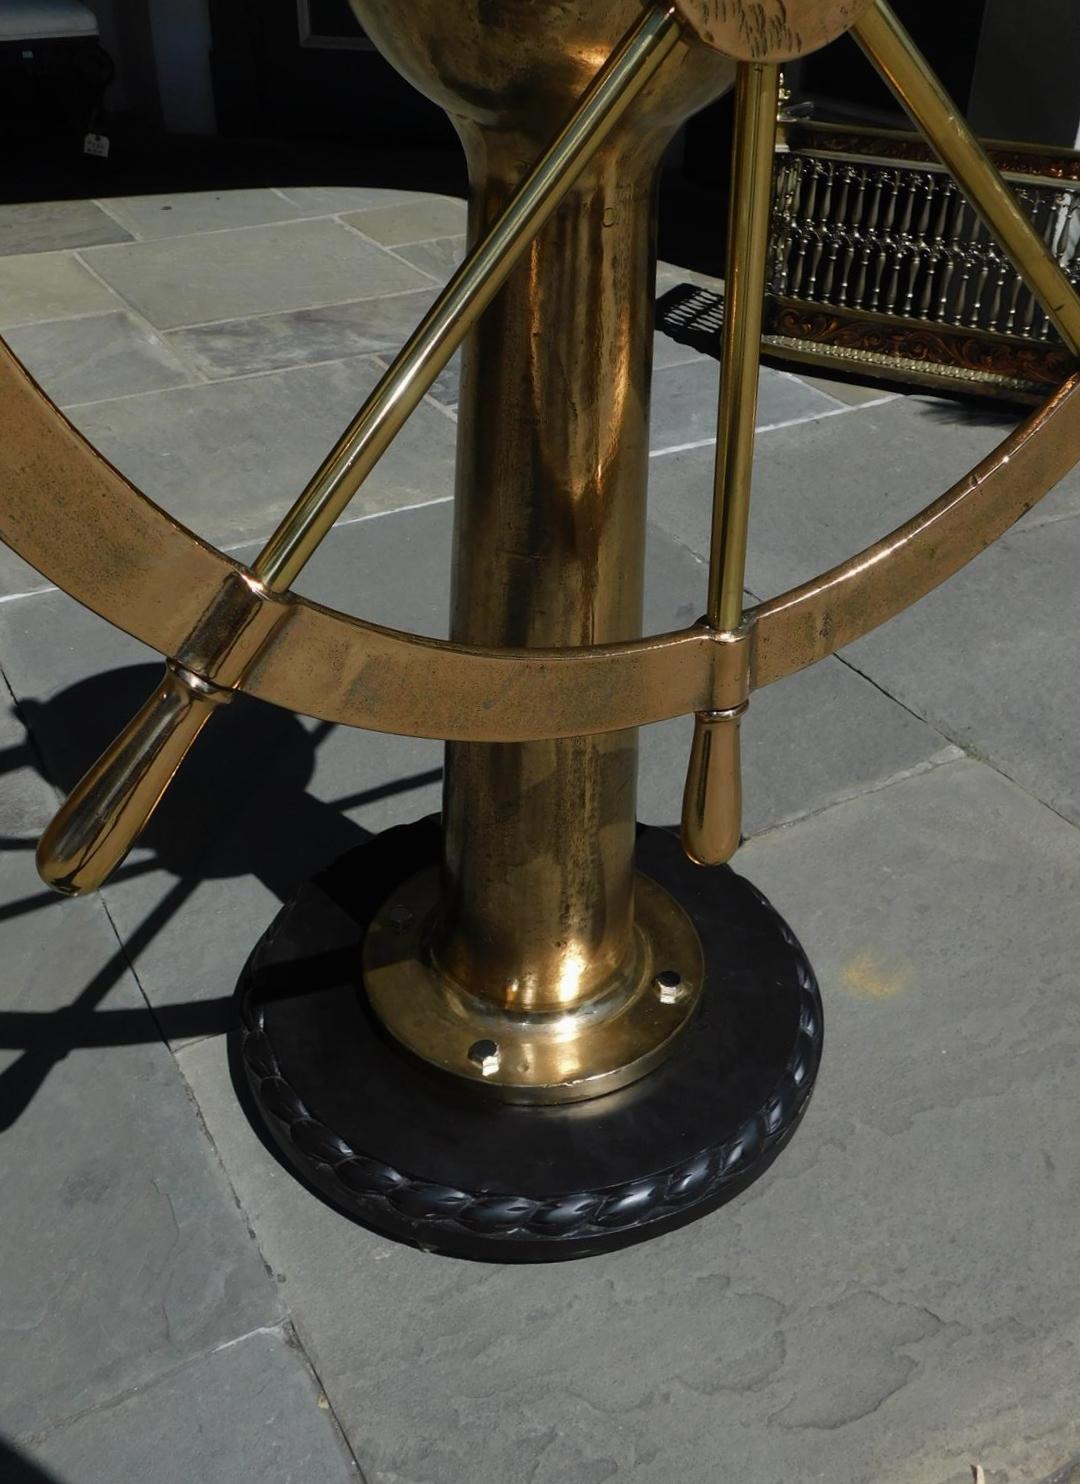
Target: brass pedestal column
<point x="538" y="909"/>
<point x="540" y="964"/>
<point x="548" y="551"/>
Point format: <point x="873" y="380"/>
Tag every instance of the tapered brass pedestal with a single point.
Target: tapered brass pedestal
<point x="538" y="939"/>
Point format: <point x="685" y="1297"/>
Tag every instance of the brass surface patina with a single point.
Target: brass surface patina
<point x="769" y="30"/>
<point x="535" y="964"/>
<point x="567" y="1049"/>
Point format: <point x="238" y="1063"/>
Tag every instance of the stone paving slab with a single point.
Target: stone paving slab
<point x="249" y="1413"/>
<point x="684" y="403"/>
<point x="97" y="356"/>
<point x="174" y="214"/>
<point x="437" y="259"/>
<point x="44" y="226"/>
<point x="250" y="270"/>
<point x="266" y="799"/>
<point x="892" y="1302"/>
<point x="273" y="342"/>
<point x="329" y="200"/>
<point x="811" y="741"/>
<point x="229" y="459"/>
<point x="989" y="658"/>
<point x="823" y="490"/>
<point x="49" y="285"/>
<point x="412" y="221"/>
<point x="124" y="1253"/>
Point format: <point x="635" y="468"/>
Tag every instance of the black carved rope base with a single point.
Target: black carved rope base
<point x="421" y="1159"/>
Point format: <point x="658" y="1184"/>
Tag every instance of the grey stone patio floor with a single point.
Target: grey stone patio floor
<point x="895" y="1301"/>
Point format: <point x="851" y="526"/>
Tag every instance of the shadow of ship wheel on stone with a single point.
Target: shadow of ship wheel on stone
<point x="239" y="807"/>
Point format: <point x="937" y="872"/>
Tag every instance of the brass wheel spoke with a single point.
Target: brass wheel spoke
<point x="712" y="803"/>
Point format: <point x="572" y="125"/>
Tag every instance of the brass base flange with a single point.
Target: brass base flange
<point x="559" y="1056"/>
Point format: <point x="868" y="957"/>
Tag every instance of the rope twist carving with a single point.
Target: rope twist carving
<point x="365" y="1184"/>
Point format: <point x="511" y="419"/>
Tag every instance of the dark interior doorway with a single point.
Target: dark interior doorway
<point x="304" y="69"/>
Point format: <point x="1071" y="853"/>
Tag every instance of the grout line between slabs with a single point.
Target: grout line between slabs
<point x="324" y="1393"/>
<point x="944" y="758"/>
<point x="285" y="1330"/>
<point x="233" y="319"/>
<point x="262" y="314"/>
<point x="970" y="752"/>
<point x="155" y="334"/>
<point x="841" y="410"/>
<point x="390" y="253"/>
<point x="221" y="381"/>
<point x="256" y="542"/>
<point x="103" y="206"/>
<point x="32" y="1439"/>
<point x="286" y="221"/>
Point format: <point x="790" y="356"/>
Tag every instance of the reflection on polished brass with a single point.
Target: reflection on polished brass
<point x="566" y="1051"/>
<point x="712" y="801"/>
<point x="769" y="30"/>
<point x="896" y="57"/>
<point x="757" y="96"/>
<point x="125" y="784"/>
<point x="85" y="814"/>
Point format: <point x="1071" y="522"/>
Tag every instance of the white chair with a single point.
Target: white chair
<point x="53" y="70"/>
<point x="46" y="20"/>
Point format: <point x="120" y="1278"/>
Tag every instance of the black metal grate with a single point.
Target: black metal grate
<point x="692" y="316"/>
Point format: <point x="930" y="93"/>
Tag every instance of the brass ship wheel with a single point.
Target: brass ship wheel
<point x="551" y="1040"/>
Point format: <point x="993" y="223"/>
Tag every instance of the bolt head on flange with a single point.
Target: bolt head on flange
<point x="485" y="1055"/>
<point x="769" y="30"/>
<point x="568" y="1054"/>
<point x="671" y="986"/>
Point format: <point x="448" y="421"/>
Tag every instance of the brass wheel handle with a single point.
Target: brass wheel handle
<point x="68" y="513"/>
